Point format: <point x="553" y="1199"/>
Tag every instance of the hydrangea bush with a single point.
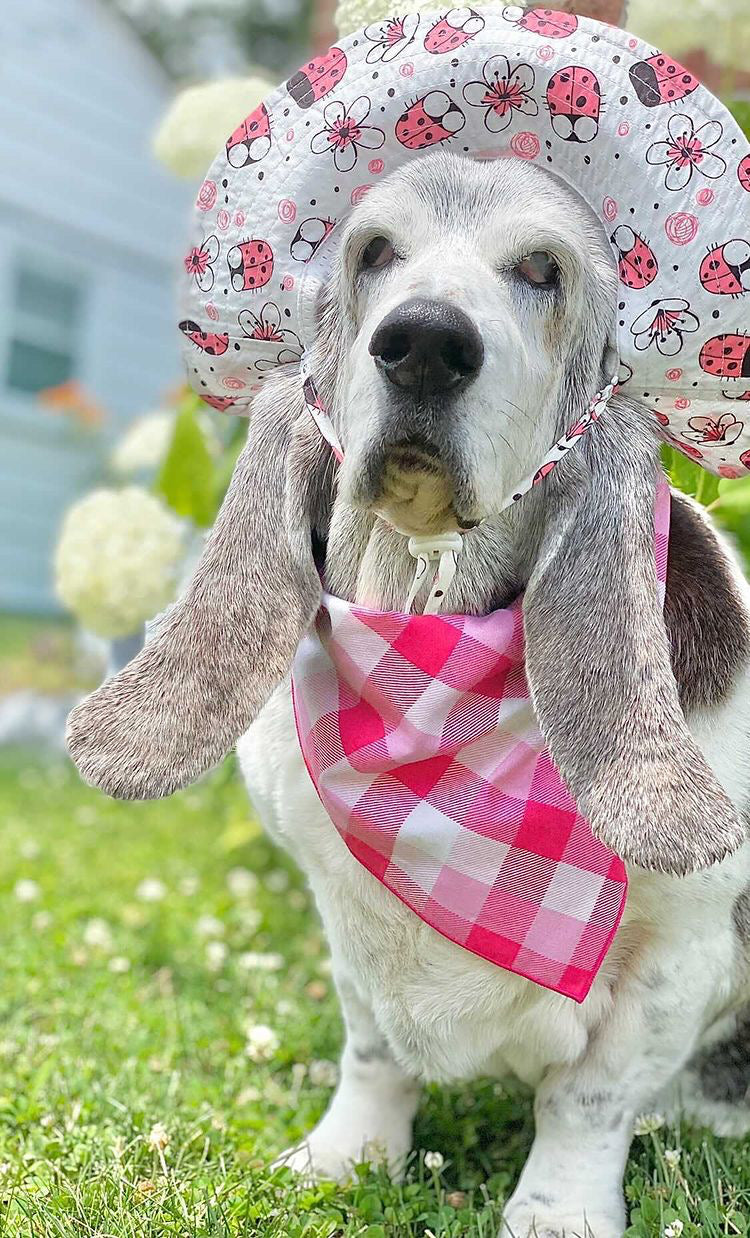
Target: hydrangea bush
<point x="118" y="559"/>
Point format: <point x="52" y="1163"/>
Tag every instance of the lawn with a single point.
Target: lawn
<point x="143" y="947"/>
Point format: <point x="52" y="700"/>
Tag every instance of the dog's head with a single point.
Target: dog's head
<point x="466" y="322"/>
<point x="465" y="297"/>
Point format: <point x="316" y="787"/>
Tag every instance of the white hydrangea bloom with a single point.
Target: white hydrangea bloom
<point x="146" y="441"/>
<point x="201" y="119"/>
<point x="118" y="559"/>
<point x="144" y="444"/>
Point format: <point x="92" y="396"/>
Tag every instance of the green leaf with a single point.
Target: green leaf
<point x="740" y="109"/>
<point x="708" y="488"/>
<point x="187" y="480"/>
<point x="734" y="496"/>
<point x="689" y="477"/>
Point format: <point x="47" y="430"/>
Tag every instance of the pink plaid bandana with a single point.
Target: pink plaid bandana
<point x="420" y="736"/>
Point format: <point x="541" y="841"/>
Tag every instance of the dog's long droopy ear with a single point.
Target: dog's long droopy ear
<point x="181" y="704"/>
<point x="599" y="667"/>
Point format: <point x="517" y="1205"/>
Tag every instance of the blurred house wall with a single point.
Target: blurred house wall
<point x="91" y="233"/>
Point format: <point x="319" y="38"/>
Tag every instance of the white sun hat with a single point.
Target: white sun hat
<point x="658" y="158"/>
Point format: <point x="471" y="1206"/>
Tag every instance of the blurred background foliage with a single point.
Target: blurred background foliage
<point x="195" y="38"/>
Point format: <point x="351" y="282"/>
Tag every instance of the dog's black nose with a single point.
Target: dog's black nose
<point x="428" y="348"/>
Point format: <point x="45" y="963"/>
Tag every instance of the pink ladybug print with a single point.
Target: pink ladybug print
<point x="250" y="265"/>
<point x="726" y="356"/>
<point x="637" y="264"/>
<point x="459" y="26"/>
<point x="574" y="101"/>
<point x="220" y="402"/>
<point x="725" y="270"/>
<point x="549" y="23"/>
<point x="660" y="79"/>
<point x="743" y="172"/>
<point x="251" y="141"/>
<point x="430" y="120"/>
<point x="317" y="78"/>
<point x="309" y="237"/>
<point x="207" y="341"/>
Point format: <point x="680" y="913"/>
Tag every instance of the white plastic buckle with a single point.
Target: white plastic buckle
<point x="443" y="549"/>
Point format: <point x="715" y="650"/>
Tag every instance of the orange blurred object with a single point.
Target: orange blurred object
<point x="72" y="399"/>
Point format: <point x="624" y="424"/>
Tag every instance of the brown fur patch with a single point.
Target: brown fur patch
<point x="706" y="620"/>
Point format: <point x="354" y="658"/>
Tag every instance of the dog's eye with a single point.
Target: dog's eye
<point x="539" y="269"/>
<point x="378" y="253"/>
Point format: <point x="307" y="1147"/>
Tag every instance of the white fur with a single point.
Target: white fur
<point x="417" y="1006"/>
<point x="448" y="1015"/>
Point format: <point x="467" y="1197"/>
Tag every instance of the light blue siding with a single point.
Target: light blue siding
<point x="82" y="197"/>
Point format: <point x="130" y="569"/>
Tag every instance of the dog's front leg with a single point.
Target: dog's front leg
<point x="371" y="1112"/>
<point x="571" y="1185"/>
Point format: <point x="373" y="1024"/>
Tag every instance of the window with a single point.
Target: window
<point x="46" y="314"/>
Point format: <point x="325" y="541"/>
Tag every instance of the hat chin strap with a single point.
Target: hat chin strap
<point x="444" y="548"/>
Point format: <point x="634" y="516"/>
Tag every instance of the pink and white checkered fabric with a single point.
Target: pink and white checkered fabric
<point x="419" y="734"/>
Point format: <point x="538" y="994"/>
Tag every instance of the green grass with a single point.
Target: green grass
<point x="109" y="1032"/>
<point x="39" y="654"/>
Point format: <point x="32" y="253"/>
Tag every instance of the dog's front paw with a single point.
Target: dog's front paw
<point x="331" y="1151"/>
<point x="536" y="1215"/>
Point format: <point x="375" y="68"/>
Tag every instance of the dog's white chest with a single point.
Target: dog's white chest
<point x="446" y="1013"/>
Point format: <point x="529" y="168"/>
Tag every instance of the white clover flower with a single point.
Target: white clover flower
<point x="262" y="1042"/>
<point x="209" y="926"/>
<point x="434" y="1161"/>
<point x="151" y="890"/>
<point x="323" y="1074"/>
<point x="98" y="935"/>
<point x="277" y="881"/>
<point x="26" y="890"/>
<point x="216" y="955"/>
<point x="249" y="920"/>
<point x="241" y="882"/>
<point x="252" y="960"/>
<point x="158" y="1136"/>
<point x="648" y="1123"/>
<point x="40" y="921"/>
<point x="145" y="443"/>
<point x="189" y="885"/>
<point x="201" y="118"/>
<point x="674" y="1230"/>
<point x="119" y="965"/>
<point x="29" y="849"/>
<point x="672" y="1157"/>
<point x="118" y="559"/>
